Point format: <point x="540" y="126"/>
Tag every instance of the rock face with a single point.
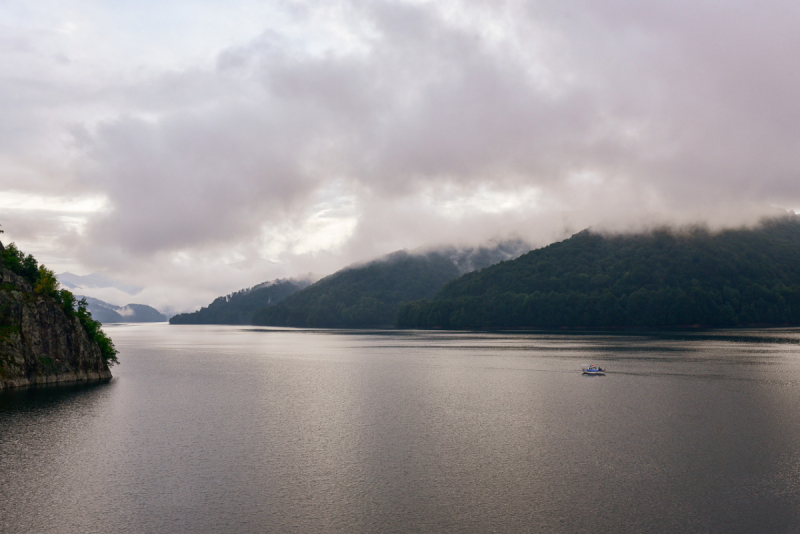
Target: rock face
<point x="39" y="343"/>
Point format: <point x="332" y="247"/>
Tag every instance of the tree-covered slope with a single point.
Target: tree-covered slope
<point x="661" y="278"/>
<point x="370" y="295"/>
<point x="238" y="308"/>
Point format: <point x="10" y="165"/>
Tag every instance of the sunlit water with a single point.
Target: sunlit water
<point x="239" y="429"/>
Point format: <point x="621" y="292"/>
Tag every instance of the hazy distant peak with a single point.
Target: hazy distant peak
<point x="130" y="313"/>
<point x="94" y="281"/>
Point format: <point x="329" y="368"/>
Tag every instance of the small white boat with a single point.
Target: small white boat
<point x="594" y="370"/>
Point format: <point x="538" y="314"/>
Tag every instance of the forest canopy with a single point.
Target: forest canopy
<point x="239" y="307"/>
<point x="656" y="279"/>
<point x="370" y="294"/>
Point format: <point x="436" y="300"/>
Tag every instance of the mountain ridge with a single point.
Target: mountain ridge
<point x="238" y="307"/>
<point x="369" y="294"/>
<point x="95" y="280"/>
<point x="660" y="278"/>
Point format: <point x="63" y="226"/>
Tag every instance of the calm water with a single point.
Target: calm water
<point x="238" y="429"/>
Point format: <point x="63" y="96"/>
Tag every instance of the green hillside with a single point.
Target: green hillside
<point x="661" y="278"/>
<point x="369" y="295"/>
<point x="238" y="308"/>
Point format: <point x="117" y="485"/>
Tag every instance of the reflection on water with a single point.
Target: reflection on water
<point x="241" y="429"/>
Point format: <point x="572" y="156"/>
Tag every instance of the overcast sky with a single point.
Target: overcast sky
<point x="195" y="148"/>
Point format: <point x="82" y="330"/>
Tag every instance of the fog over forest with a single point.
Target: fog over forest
<point x="194" y="149"/>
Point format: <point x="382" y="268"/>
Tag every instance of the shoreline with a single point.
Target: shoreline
<point x="57" y="379"/>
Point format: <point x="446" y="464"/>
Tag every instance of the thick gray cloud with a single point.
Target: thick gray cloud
<point x="367" y="126"/>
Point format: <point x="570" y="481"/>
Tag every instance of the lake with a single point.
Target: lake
<point x="244" y="429"/>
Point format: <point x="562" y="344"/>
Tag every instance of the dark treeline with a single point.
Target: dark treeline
<point x="662" y="278"/>
<point x="367" y="295"/>
<point x="239" y="307"/>
<point x="370" y="295"/>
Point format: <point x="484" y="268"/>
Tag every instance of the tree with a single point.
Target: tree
<point x="47" y="283"/>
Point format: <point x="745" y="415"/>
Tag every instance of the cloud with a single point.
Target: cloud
<point x="345" y="131"/>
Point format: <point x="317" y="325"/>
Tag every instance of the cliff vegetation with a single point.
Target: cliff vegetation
<point x="46" y="335"/>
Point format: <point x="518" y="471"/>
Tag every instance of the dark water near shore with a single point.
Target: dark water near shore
<point x="236" y="429"/>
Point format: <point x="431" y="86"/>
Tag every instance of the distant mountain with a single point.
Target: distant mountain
<point x="95" y="280"/>
<point x="369" y="295"/>
<point x="238" y="308"/>
<point x="130" y="313"/>
<point x="661" y="278"/>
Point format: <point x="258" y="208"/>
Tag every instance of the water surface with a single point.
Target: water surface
<point x="242" y="429"/>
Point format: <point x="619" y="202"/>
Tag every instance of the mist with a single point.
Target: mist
<point x="210" y="152"/>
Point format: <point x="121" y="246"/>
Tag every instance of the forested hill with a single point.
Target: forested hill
<point x="238" y="308"/>
<point x="369" y="295"/>
<point x="662" y="278"/>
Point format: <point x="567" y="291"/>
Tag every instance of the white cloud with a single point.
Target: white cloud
<point x="199" y="147"/>
<point x="17" y="200"/>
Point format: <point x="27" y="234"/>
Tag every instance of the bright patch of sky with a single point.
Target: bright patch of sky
<point x="150" y="35"/>
<point x="19" y="200"/>
<point x="326" y="227"/>
<point x="456" y="203"/>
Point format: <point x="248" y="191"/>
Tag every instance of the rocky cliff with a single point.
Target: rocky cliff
<point x="39" y="343"/>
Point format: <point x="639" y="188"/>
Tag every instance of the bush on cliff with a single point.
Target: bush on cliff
<point x="18" y="263"/>
<point x="95" y="331"/>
